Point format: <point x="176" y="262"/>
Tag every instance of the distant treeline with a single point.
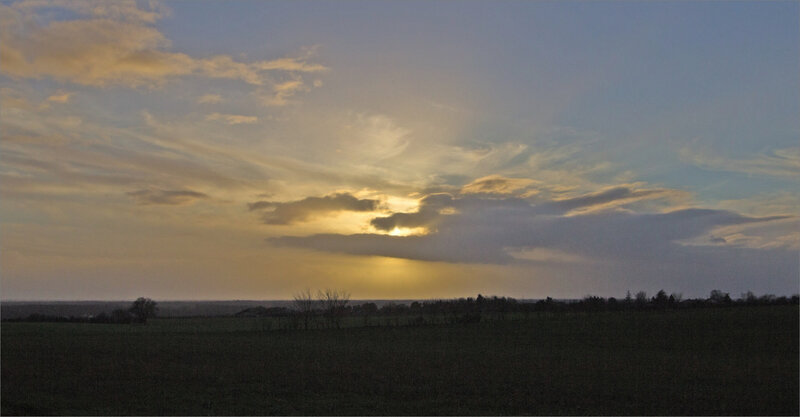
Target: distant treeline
<point x="138" y="312"/>
<point x="117" y="316"/>
<point x="507" y="305"/>
<point x="330" y="307"/>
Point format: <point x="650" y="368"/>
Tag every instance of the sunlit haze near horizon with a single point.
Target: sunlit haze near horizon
<point x="398" y="150"/>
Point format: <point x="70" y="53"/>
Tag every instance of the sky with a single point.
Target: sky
<point x="250" y="150"/>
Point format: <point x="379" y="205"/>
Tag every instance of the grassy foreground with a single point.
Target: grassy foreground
<point x="741" y="360"/>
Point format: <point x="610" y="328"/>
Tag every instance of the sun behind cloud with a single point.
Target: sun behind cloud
<point x="248" y="150"/>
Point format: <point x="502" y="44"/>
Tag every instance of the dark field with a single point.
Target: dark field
<point x="741" y="360"/>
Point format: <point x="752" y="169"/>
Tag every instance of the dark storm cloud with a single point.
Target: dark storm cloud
<point x="279" y="213"/>
<point x="165" y="197"/>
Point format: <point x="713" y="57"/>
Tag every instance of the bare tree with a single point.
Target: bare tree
<point x="333" y="303"/>
<point x="304" y="304"/>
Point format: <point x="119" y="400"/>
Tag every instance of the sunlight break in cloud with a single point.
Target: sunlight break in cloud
<point x="431" y="209"/>
<point x="133" y="137"/>
<point x="495" y="230"/>
<point x="587" y="232"/>
<point x="281" y="213"/>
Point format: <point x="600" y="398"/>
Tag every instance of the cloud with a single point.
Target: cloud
<point x="764" y="204"/>
<point x="607" y="198"/>
<point x="126" y="10"/>
<point x="375" y="137"/>
<point x="114" y="45"/>
<point x="422" y="248"/>
<point x="210" y="99"/>
<point x="429" y="211"/>
<point x="781" y="232"/>
<point x="282" y="92"/>
<point x="165" y="197"/>
<point x="232" y="119"/>
<point x="60" y="97"/>
<point x="543" y="255"/>
<point x="45" y="155"/>
<point x="282" y="213"/>
<point x="491" y="230"/>
<point x="483" y="191"/>
<point x="496" y="184"/>
<point x="781" y="163"/>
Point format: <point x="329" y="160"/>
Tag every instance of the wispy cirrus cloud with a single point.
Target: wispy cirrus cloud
<point x="60" y="97"/>
<point x="232" y="119"/>
<point x="280" y="93"/>
<point x="496" y="184"/>
<point x="781" y="232"/>
<point x="46" y="155"/>
<point x="780" y="163"/>
<point x="166" y="197"/>
<point x="764" y="204"/>
<point x="609" y="197"/>
<point x="210" y="99"/>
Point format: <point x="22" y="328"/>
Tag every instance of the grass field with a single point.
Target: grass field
<point x="740" y="360"/>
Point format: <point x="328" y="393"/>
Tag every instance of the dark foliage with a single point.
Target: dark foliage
<point x="143" y="309"/>
<point x="309" y="313"/>
<point x="264" y="312"/>
<point x="473" y="310"/>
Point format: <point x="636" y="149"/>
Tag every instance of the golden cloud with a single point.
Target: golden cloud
<point x="60" y="98"/>
<point x="210" y="99"/>
<point x="232" y="119"/>
<point x="116" y="46"/>
<point x="496" y="184"/>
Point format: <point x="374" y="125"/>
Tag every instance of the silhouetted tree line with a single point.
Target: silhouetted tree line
<point x="330" y="307"/>
<point x="470" y="309"/>
<point x="265" y="312"/>
<point x="139" y="312"/>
